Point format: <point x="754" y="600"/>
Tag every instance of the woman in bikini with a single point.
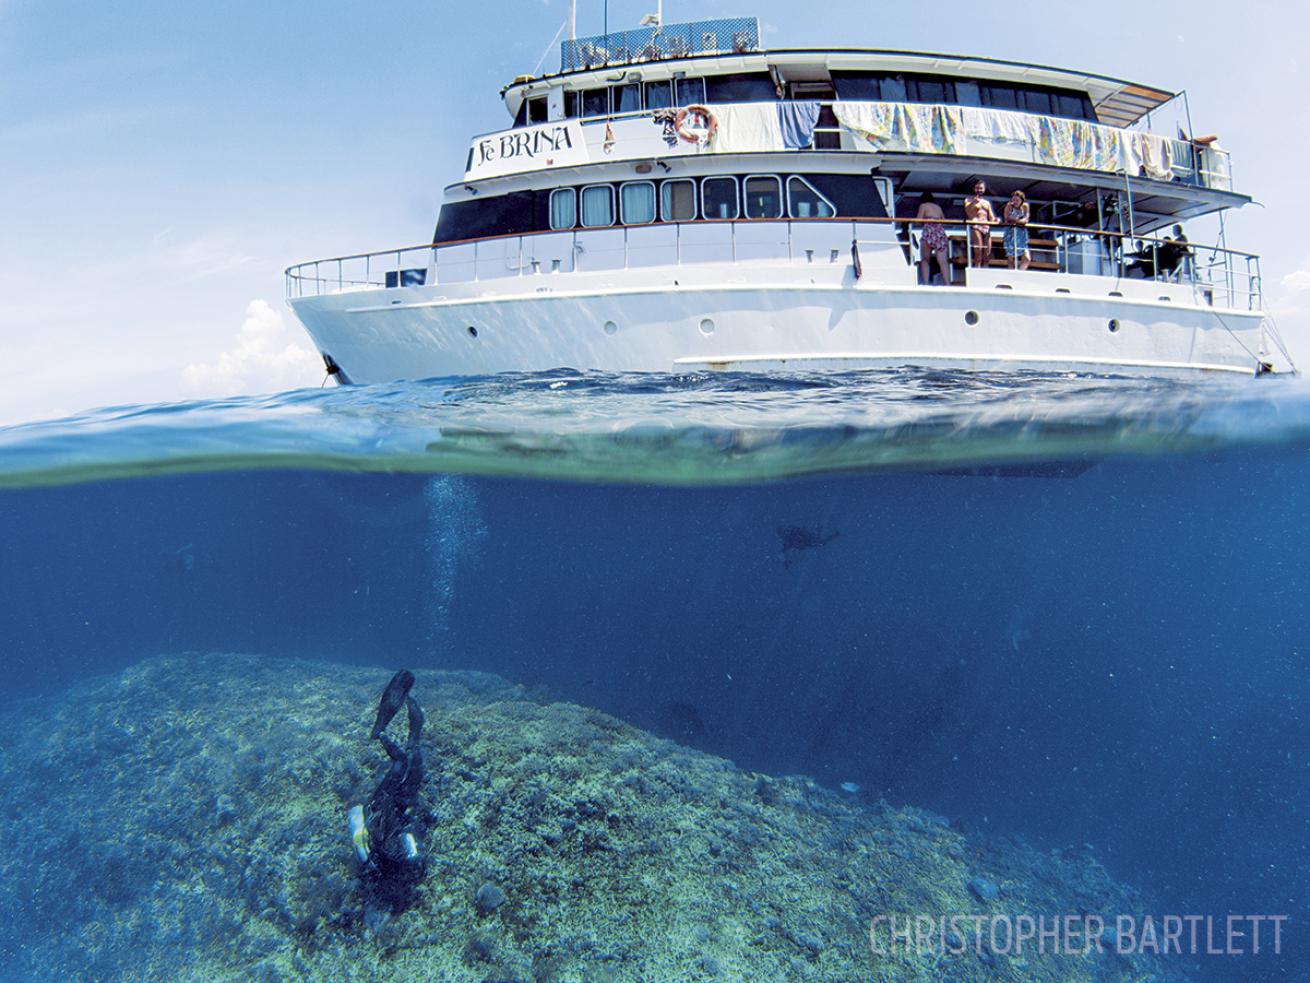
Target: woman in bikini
<point x="932" y="239"/>
<point x="1015" y="215"/>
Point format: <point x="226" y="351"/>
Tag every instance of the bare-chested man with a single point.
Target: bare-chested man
<point x="978" y="211"/>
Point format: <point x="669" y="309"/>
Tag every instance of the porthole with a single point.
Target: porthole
<point x="707" y="327"/>
<point x="1114" y="325"/>
<point x="971" y="318"/>
<point x="611" y="327"/>
<point x="473" y="332"/>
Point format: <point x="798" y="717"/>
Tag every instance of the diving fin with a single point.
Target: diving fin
<point x="393" y="698"/>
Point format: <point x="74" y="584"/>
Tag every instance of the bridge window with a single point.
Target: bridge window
<point x="659" y="95"/>
<point x="691" y="92"/>
<point x="763" y="197"/>
<point x="719" y="197"/>
<point x="804" y="201"/>
<point x="596" y="102"/>
<point x="537" y="110"/>
<point x="753" y="87"/>
<point x="627" y="98"/>
<point x="678" y="201"/>
<point x="637" y="202"/>
<point x="563" y="208"/>
<point x="597" y="206"/>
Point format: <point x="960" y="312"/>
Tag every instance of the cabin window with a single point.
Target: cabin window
<point x="659" y="95"/>
<point x="597" y="206"/>
<point x="537" y="110"/>
<point x="627" y="98"/>
<point x="596" y="102"/>
<point x="763" y="197"/>
<point x="804" y="200"/>
<point x="563" y="208"/>
<point x="637" y="202"/>
<point x="719" y="197"/>
<point x="572" y="104"/>
<point x="691" y="92"/>
<point x="758" y="87"/>
<point x="678" y="201"/>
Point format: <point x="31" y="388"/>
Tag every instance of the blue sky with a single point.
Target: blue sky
<point x="160" y="164"/>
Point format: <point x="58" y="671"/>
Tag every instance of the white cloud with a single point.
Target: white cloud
<point x="1297" y="281"/>
<point x="266" y="358"/>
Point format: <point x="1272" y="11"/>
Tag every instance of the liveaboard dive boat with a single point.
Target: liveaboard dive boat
<point x="677" y="198"/>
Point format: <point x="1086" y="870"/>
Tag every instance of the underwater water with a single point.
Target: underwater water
<point x="716" y="670"/>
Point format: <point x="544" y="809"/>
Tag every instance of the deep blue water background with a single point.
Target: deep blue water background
<point x="1116" y="658"/>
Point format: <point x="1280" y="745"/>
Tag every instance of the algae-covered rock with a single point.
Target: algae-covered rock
<point x="186" y="820"/>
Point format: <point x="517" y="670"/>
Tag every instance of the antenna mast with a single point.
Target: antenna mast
<point x="573" y="20"/>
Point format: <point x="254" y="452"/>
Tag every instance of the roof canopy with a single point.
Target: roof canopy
<point x="1118" y="102"/>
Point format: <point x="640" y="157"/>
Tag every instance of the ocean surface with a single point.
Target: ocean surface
<point x="1062" y="614"/>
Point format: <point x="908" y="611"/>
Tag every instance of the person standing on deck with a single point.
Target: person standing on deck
<point x="932" y="239"/>
<point x="1016" y="215"/>
<point x="978" y="211"/>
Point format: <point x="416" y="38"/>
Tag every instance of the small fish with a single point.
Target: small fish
<point x="849" y="788"/>
<point x="795" y="538"/>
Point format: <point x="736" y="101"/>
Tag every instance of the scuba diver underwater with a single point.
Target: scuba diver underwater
<point x="388" y="828"/>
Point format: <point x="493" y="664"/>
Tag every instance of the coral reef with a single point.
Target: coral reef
<point x="186" y="820"/>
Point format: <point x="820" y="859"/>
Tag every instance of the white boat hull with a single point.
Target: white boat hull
<point x="789" y="316"/>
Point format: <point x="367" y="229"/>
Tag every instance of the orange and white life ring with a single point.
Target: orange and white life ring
<point x="696" y="124"/>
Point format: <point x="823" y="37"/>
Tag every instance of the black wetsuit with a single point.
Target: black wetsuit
<point x="391" y="810"/>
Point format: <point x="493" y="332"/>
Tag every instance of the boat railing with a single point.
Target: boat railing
<point x="1218" y="276"/>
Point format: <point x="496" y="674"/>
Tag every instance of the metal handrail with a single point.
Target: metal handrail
<point x="1219" y="274"/>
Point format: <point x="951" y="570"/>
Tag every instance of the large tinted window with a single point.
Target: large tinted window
<point x="1037" y="102"/>
<point x="1073" y="106"/>
<point x="719" y="197"/>
<point x="931" y="90"/>
<point x="741" y="88"/>
<point x="857" y="87"/>
<point x="678" y="200"/>
<point x="893" y="89"/>
<point x="1000" y="97"/>
<point x="968" y="93"/>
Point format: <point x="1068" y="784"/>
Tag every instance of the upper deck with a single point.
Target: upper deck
<point x="616" y="98"/>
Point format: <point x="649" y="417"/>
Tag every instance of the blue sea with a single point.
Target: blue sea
<point x="1057" y="613"/>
